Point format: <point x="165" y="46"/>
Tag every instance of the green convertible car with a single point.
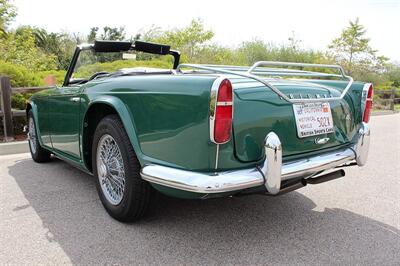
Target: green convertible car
<point x="198" y="131"/>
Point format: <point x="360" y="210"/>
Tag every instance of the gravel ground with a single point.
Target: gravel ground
<point x="50" y="214"/>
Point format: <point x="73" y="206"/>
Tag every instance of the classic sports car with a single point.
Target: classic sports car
<point x="200" y="131"/>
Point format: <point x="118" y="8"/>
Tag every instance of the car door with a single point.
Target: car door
<point x="64" y="118"/>
<point x="43" y="116"/>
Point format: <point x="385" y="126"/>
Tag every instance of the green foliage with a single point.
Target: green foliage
<point x="19" y="48"/>
<point x="20" y="76"/>
<point x="257" y="50"/>
<point x="393" y="74"/>
<point x="352" y="50"/>
<point x="188" y="40"/>
<point x="58" y="74"/>
<point x="60" y="45"/>
<point x="88" y="70"/>
<point x="29" y="54"/>
<point x="215" y="54"/>
<point x="18" y="100"/>
<point x="7" y="14"/>
<point x="109" y="33"/>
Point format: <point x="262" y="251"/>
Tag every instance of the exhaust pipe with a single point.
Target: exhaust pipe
<point x="316" y="180"/>
<point x="326" y="178"/>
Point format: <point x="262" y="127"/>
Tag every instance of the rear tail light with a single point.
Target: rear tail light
<point x="368" y="104"/>
<point x="221" y="111"/>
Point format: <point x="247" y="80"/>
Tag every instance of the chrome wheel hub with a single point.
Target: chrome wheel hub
<point x="32" y="135"/>
<point x="110" y="169"/>
<point x="102" y="170"/>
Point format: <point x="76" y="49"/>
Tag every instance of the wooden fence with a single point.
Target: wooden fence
<point x="5" y="102"/>
<point x="387" y="98"/>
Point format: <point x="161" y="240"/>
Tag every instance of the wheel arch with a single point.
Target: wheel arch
<point x="95" y="112"/>
<point x="31" y="105"/>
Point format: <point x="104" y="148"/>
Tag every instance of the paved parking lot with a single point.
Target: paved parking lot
<point x="50" y="214"/>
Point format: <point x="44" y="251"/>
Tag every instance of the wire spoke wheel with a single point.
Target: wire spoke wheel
<point x="32" y="135"/>
<point x="110" y="169"/>
<point x="123" y="193"/>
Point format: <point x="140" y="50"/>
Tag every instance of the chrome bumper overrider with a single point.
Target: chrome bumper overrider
<point x="271" y="173"/>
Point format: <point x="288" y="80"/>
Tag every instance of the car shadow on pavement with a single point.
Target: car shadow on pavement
<point x="289" y="229"/>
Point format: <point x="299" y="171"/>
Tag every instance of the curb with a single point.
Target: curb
<point x="383" y="112"/>
<point x="14" y="147"/>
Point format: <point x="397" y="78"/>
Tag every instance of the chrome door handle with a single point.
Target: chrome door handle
<point x="75" y="99"/>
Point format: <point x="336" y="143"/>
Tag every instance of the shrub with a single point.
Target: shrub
<point x="20" y="76"/>
<point x="18" y="100"/>
<point x="59" y="74"/>
<point x="88" y="70"/>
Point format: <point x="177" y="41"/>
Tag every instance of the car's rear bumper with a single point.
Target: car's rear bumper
<point x="271" y="173"/>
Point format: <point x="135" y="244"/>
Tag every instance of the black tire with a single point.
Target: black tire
<point x="38" y="153"/>
<point x="137" y="192"/>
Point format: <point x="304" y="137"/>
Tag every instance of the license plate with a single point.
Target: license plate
<point x="313" y="119"/>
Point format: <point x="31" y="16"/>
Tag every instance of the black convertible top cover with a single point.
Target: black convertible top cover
<point x="111" y="46"/>
<point x="152" y="48"/>
<point x="121" y="46"/>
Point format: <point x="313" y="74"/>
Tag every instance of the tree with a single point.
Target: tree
<point x="353" y="51"/>
<point x="61" y="45"/>
<point x="188" y="40"/>
<point x="253" y="51"/>
<point x="394" y="75"/>
<point x="7" y="14"/>
<point x="109" y="33"/>
<point x="19" y="48"/>
<point x="294" y="43"/>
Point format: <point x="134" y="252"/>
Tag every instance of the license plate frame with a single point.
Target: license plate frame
<point x="313" y="119"/>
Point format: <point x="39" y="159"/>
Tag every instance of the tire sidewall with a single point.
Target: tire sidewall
<point x="108" y="126"/>
<point x="35" y="155"/>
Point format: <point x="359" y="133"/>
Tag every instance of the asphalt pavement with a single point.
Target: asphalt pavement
<point x="50" y="214"/>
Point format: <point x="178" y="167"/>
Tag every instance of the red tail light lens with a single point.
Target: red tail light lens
<point x="223" y="113"/>
<point x="368" y="104"/>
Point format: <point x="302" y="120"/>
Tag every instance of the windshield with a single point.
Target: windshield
<point x="91" y="64"/>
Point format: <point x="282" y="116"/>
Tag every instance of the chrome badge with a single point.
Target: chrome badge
<point x="321" y="141"/>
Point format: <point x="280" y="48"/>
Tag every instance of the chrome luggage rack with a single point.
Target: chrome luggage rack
<point x="254" y="72"/>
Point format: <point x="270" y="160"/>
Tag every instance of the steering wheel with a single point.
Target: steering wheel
<point x="97" y="74"/>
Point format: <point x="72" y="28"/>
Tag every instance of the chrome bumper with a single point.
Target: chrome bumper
<point x="271" y="173"/>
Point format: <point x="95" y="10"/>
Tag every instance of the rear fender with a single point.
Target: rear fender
<point x="126" y="117"/>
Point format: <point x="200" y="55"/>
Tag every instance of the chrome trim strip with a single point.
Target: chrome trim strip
<point x="224" y="103"/>
<point x="248" y="74"/>
<point x="273" y="169"/>
<point x="85" y="46"/>
<point x="216" y="157"/>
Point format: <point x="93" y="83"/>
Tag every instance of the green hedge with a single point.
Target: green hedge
<point x="20" y="76"/>
<point x="88" y="70"/>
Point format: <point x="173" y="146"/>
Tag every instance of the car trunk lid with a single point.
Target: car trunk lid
<point x="258" y="111"/>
